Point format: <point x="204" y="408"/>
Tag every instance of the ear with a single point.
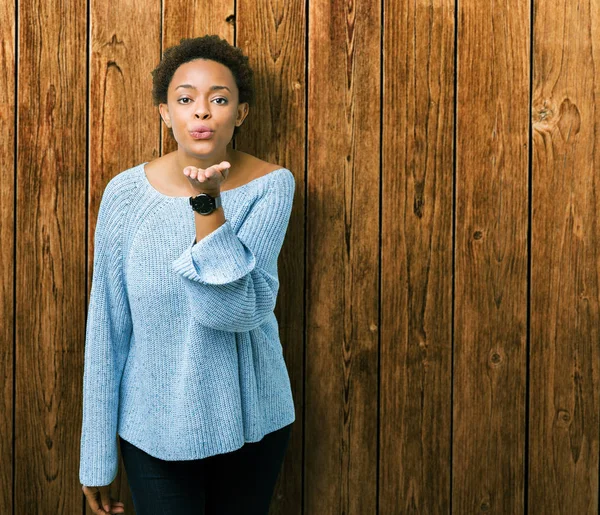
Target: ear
<point x="164" y="113"/>
<point x="242" y="112"/>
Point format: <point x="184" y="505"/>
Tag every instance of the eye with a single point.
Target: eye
<point x="219" y="98"/>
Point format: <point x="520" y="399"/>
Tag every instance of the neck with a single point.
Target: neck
<point x="182" y="159"/>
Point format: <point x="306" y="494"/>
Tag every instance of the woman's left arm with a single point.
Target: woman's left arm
<point x="231" y="279"/>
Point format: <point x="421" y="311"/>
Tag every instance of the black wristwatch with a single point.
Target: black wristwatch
<point x="205" y="204"/>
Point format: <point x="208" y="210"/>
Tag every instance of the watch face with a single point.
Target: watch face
<point x="203" y="203"/>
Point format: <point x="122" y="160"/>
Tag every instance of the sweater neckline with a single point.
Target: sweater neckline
<point x="186" y="198"/>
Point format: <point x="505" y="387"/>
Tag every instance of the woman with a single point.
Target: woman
<point x="183" y="362"/>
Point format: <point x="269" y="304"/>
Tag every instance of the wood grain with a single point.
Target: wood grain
<point x="8" y="157"/>
<point x="416" y="259"/>
<point x="184" y="19"/>
<point x="491" y="256"/>
<point x="439" y="282"/>
<point x="341" y="382"/>
<point x="565" y="258"/>
<point x="123" y="126"/>
<point x="50" y="249"/>
<point x="273" y="35"/>
<point x="272" y="131"/>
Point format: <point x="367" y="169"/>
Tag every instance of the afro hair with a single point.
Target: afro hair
<point x="206" y="47"/>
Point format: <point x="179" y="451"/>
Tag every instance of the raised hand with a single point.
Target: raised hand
<point x="207" y="180"/>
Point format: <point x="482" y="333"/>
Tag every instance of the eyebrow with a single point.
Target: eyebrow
<point x="212" y="88"/>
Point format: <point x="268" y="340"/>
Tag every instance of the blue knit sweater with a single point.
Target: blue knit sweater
<point x="182" y="352"/>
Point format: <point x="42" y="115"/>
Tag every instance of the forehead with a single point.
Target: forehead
<point x="202" y="73"/>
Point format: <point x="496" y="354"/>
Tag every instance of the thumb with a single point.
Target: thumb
<point x="223" y="166"/>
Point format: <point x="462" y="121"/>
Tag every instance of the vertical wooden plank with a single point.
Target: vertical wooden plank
<point x="565" y="368"/>
<point x="8" y="69"/>
<point x="50" y="245"/>
<point x="183" y="19"/>
<point x="272" y="34"/>
<point x="416" y="264"/>
<point x="122" y="132"/>
<point x="491" y="258"/>
<point x="340" y="474"/>
<point x="272" y="133"/>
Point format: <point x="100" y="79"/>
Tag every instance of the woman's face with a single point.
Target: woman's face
<point x="192" y="102"/>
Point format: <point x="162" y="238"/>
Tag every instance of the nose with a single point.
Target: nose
<point x="202" y="109"/>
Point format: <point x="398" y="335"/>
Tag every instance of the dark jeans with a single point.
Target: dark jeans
<point x="233" y="483"/>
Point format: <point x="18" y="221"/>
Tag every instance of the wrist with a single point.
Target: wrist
<point x="211" y="192"/>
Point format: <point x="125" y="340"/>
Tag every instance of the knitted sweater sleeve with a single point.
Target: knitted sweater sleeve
<point x="231" y="279"/>
<point x="108" y="331"/>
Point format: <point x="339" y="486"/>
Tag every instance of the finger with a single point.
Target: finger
<point x="116" y="504"/>
<point x="93" y="502"/>
<point x="218" y="168"/>
<point x="224" y="167"/>
<point x="190" y="171"/>
<point x="222" y="170"/>
<point x="225" y="171"/>
<point x="117" y="507"/>
<point x="105" y="499"/>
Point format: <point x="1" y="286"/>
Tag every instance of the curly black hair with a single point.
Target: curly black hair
<point x="210" y="47"/>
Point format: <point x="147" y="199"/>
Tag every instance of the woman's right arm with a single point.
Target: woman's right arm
<point x="108" y="331"/>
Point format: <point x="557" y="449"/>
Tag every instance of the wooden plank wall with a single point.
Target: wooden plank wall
<point x="439" y="289"/>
